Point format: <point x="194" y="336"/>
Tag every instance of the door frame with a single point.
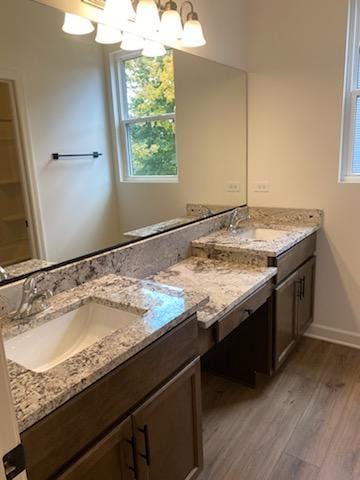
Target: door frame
<point x="27" y="163"/>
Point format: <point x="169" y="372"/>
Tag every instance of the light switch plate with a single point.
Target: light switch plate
<point x="262" y="187"/>
<point x="233" y="187"/>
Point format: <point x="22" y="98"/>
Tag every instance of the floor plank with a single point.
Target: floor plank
<point x="310" y="358"/>
<point x="252" y="430"/>
<point x="254" y="434"/>
<point x="312" y="436"/>
<point x="292" y="468"/>
<point x="342" y="461"/>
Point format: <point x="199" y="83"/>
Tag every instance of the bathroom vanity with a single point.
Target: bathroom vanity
<point x="130" y="399"/>
<point x="135" y="293"/>
<point x="142" y="420"/>
<point x="293" y="297"/>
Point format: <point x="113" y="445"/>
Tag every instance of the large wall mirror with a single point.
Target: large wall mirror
<point x="100" y="147"/>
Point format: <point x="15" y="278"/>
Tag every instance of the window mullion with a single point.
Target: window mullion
<point x="125" y="135"/>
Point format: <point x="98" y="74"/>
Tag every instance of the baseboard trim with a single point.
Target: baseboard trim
<point x="334" y="335"/>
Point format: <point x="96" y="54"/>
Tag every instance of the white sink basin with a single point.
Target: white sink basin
<point x="260" y="234"/>
<point x="50" y="344"/>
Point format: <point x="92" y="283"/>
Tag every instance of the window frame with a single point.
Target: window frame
<point x="121" y="120"/>
<point x="350" y="96"/>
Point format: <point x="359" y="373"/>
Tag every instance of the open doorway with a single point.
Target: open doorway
<point x="17" y="239"/>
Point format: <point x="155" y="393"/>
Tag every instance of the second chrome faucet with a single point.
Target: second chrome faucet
<point x="33" y="300"/>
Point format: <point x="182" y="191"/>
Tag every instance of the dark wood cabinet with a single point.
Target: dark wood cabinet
<point x="92" y="436"/>
<point x="162" y="439"/>
<point x="294" y="300"/>
<point x="305" y="299"/>
<point x="285" y="315"/>
<point x="168" y="432"/>
<point x="239" y="345"/>
<point x="112" y="458"/>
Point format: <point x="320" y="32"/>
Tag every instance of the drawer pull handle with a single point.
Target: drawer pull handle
<point x="299" y="289"/>
<point x="133" y="467"/>
<point x="248" y="311"/>
<point x="146" y="456"/>
<point x="303" y="287"/>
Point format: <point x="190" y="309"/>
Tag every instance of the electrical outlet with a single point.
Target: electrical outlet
<point x="262" y="187"/>
<point x="233" y="187"/>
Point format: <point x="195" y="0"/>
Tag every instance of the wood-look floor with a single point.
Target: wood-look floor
<point x="303" y="424"/>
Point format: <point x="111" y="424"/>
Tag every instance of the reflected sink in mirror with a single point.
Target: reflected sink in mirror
<point x="259" y="234"/>
<point x="155" y="189"/>
<point x="55" y="341"/>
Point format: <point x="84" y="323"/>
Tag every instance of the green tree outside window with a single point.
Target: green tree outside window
<point x="150" y="92"/>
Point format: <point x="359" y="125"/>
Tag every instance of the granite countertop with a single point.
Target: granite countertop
<point x="28" y="266"/>
<point x="226" y="284"/>
<point x="160" y="227"/>
<point x="226" y="270"/>
<point x="160" y="307"/>
<point x="232" y="241"/>
<point x="193" y="212"/>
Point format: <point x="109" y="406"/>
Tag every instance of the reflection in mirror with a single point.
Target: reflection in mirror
<point x="100" y="147"/>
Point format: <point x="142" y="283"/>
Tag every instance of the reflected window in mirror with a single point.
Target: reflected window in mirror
<point x="143" y="91"/>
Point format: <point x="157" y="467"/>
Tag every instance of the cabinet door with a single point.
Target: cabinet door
<point x="168" y="429"/>
<point x="306" y="297"/>
<point x="112" y="458"/>
<point x="285" y="318"/>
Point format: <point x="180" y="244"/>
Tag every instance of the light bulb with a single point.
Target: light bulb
<point x="171" y="27"/>
<point x="132" y="42"/>
<point x="153" y="49"/>
<point x="76" y="25"/>
<point x="147" y="17"/>
<point x="119" y="11"/>
<point x="193" y="35"/>
<point x="107" y="35"/>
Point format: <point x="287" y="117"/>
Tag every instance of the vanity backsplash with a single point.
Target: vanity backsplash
<point x="149" y="256"/>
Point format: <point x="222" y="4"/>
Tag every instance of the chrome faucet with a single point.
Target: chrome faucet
<point x="205" y="211"/>
<point x="237" y="216"/>
<point x="4" y="275"/>
<point x="32" y="300"/>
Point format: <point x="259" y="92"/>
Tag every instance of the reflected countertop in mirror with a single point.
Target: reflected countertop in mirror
<point x="169" y="136"/>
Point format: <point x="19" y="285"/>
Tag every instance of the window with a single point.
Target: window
<point x="144" y="113"/>
<point x="350" y="145"/>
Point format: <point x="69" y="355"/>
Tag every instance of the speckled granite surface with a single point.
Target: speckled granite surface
<point x="193" y="212"/>
<point x="287" y="216"/>
<point x="201" y="210"/>
<point x="159" y="227"/>
<point x="27" y="267"/>
<point x="138" y="260"/>
<point x="227" y="284"/>
<point x="161" y="308"/>
<point x="230" y="245"/>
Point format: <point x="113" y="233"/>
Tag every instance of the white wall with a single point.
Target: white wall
<point x="295" y="54"/>
<point x="211" y="144"/>
<point x="296" y="64"/>
<point x="225" y="29"/>
<point x="65" y="91"/>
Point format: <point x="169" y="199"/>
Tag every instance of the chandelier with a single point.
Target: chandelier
<point x="145" y="25"/>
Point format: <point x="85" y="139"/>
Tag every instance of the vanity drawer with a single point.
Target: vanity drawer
<point x="231" y="321"/>
<point x="289" y="261"/>
<point x="61" y="436"/>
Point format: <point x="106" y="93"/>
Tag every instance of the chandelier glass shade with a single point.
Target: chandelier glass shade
<point x="148" y="27"/>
